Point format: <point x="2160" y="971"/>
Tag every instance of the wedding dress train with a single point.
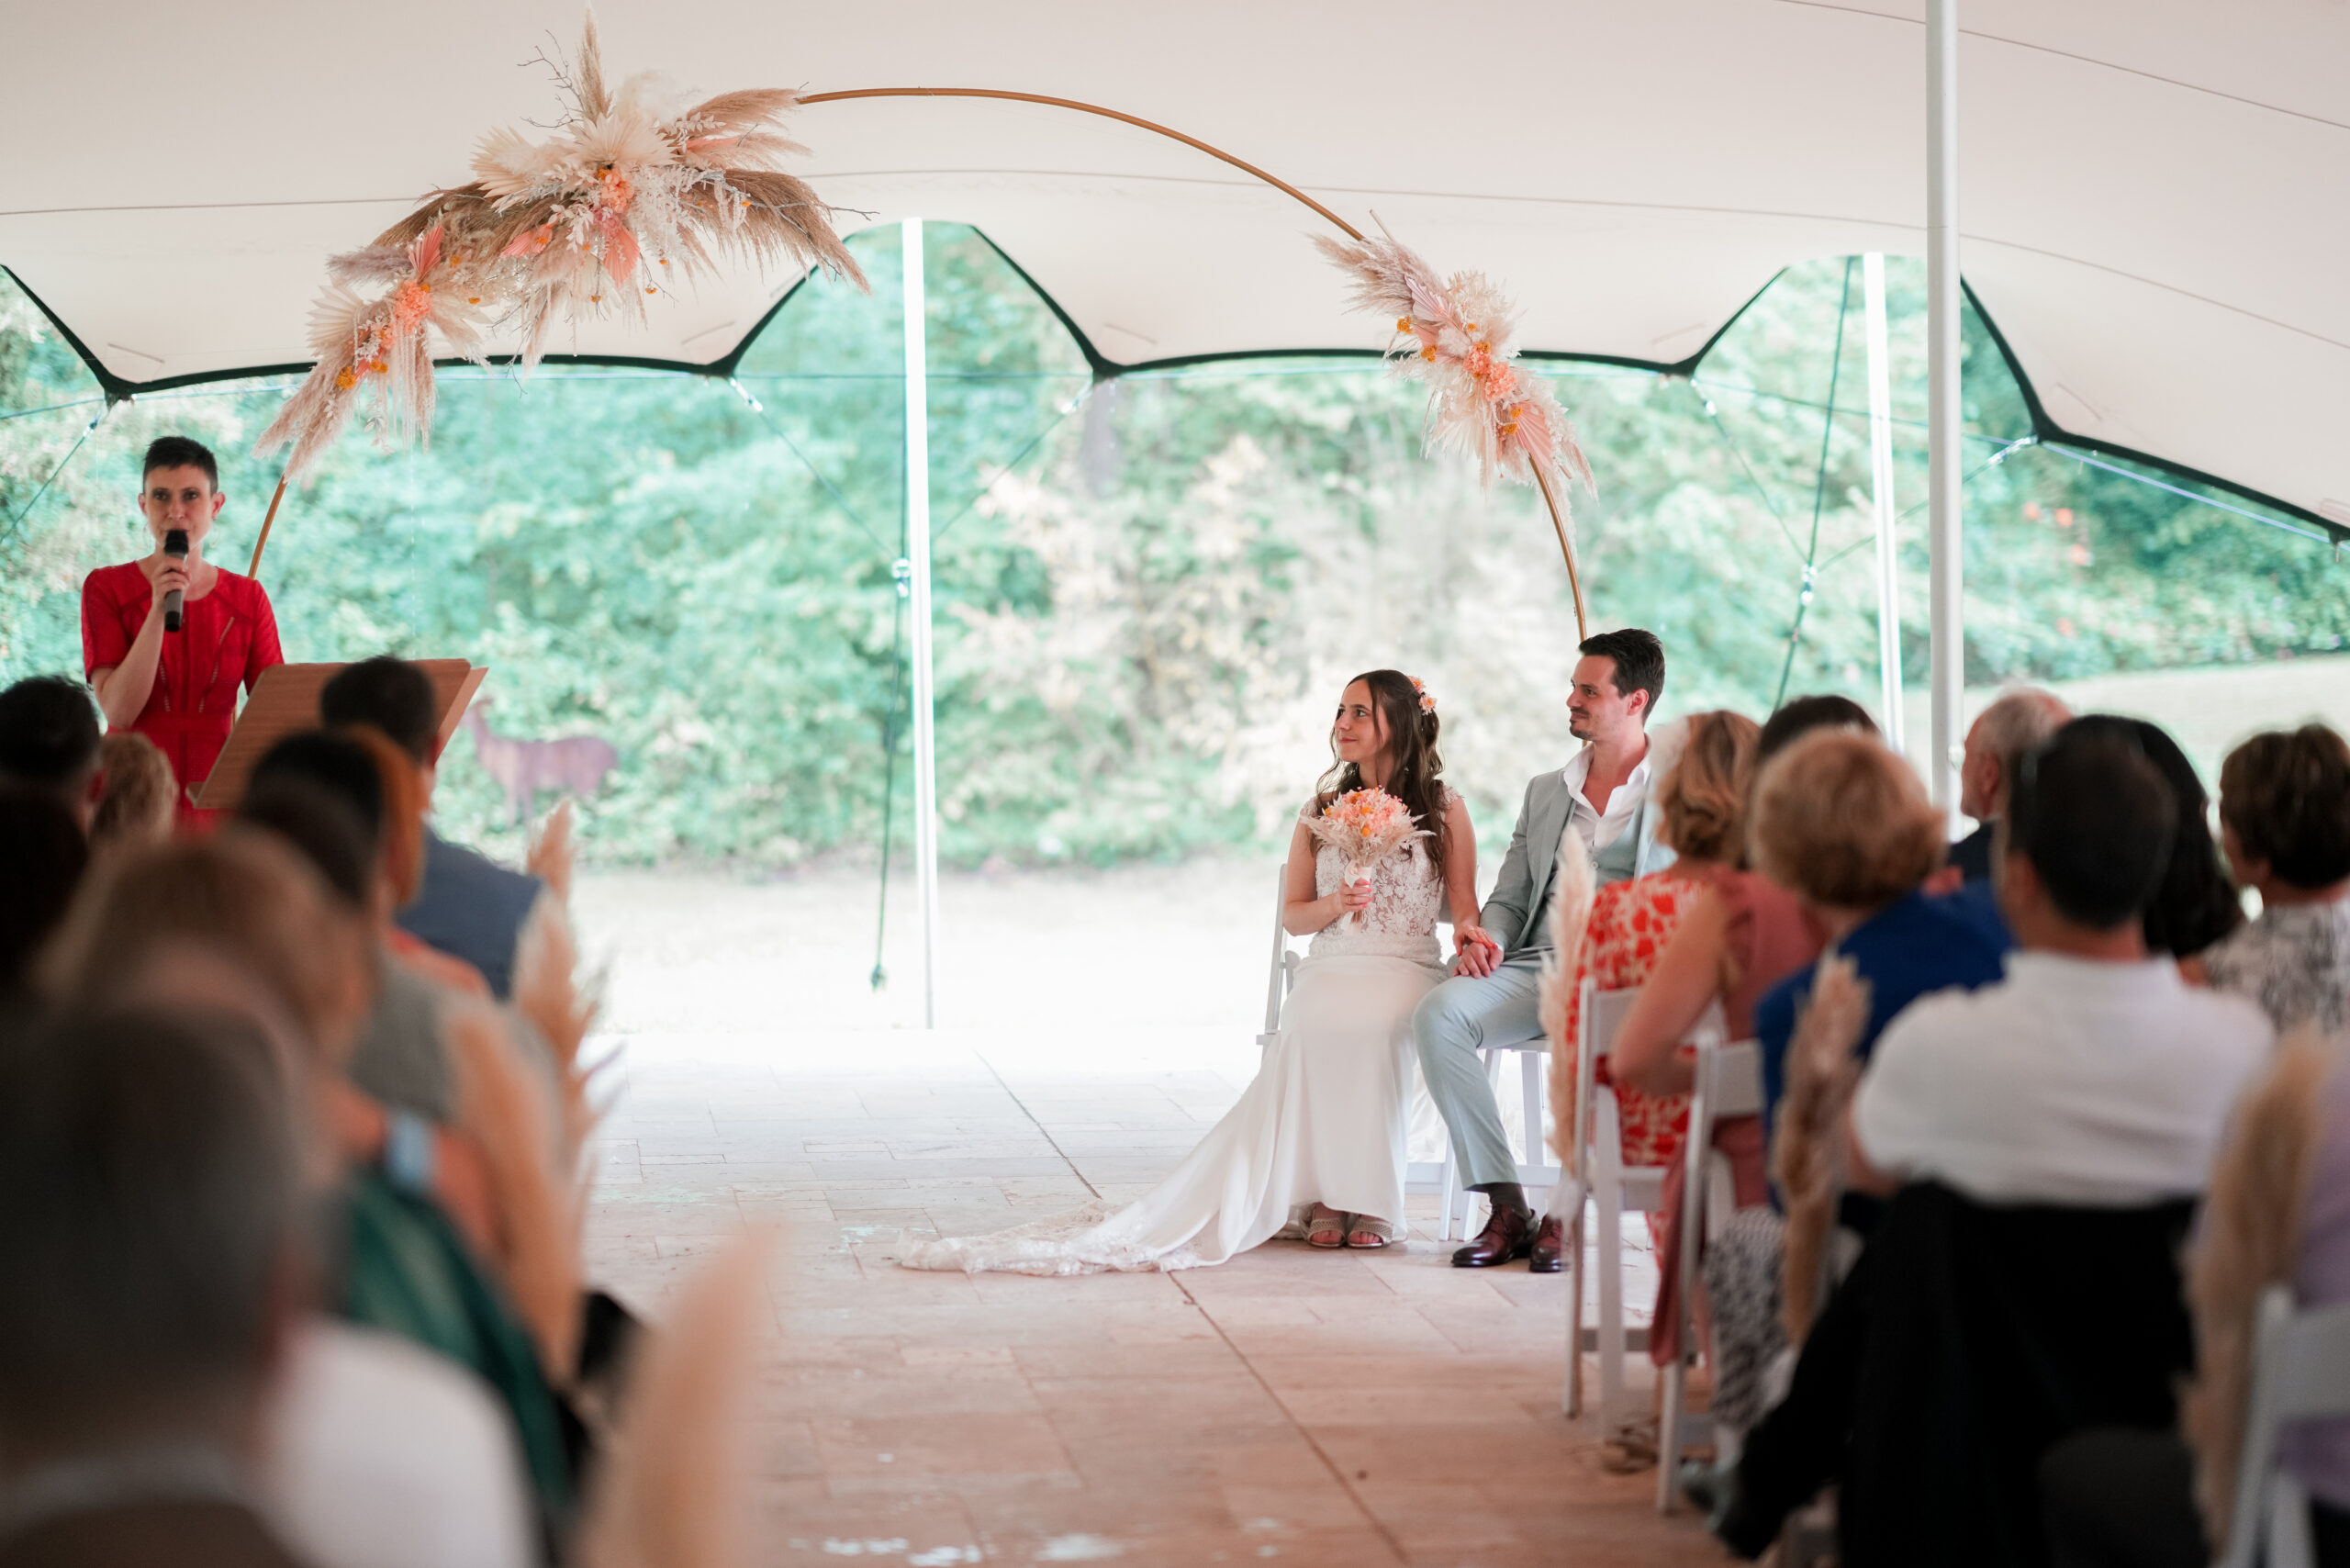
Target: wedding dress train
<point x="1324" y="1120"/>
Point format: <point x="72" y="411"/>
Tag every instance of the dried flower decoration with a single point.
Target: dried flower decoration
<point x="549" y="231"/>
<point x="1458" y="336"/>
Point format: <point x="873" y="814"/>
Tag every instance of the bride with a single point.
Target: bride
<point x="1315" y="1146"/>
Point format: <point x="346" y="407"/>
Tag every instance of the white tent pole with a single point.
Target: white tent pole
<point x="918" y="556"/>
<point x="1943" y="412"/>
<point x="1888" y="563"/>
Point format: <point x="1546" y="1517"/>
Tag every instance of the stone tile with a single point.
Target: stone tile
<point x="1291" y="1406"/>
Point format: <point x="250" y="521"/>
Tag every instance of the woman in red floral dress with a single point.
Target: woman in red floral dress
<point x="178" y="689"/>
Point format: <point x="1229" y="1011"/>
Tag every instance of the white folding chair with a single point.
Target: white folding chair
<point x="2300" y="1372"/>
<point x="1283" y="973"/>
<point x="1609" y="1185"/>
<point x="1729" y="1083"/>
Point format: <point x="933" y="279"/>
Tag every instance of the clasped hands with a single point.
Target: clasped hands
<point x="1475" y="951"/>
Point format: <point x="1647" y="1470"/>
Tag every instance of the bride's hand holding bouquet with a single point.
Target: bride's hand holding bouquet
<point x="1365" y="826"/>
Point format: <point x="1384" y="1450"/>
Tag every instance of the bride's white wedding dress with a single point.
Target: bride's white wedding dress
<point x="1325" y="1120"/>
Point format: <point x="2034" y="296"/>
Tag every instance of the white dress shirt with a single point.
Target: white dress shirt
<point x="2071" y="1082"/>
<point x="1596" y="828"/>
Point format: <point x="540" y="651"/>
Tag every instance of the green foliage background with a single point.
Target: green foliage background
<point x="1149" y="589"/>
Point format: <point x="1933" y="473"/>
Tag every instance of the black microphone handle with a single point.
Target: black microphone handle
<point x="172" y="611"/>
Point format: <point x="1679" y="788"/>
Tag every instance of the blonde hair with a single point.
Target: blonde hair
<point x="138" y="803"/>
<point x="1703" y="796"/>
<point x="1840" y="821"/>
<point x="238" y="892"/>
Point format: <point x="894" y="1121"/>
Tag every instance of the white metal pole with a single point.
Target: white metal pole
<point x="1945" y="536"/>
<point x="918" y="558"/>
<point x="1889" y="561"/>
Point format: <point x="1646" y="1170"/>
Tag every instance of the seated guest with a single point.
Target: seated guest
<point x="2285" y="826"/>
<point x="42" y="856"/>
<point x="401" y="1187"/>
<point x="2093" y="1073"/>
<point x="48" y="741"/>
<point x="151" y="1213"/>
<point x="467" y="905"/>
<point x="400" y="1057"/>
<point x="2092" y="1077"/>
<point x="1845" y="826"/>
<point x="2014" y="723"/>
<point x="135" y="802"/>
<point x="1701" y="799"/>
<point x="2279" y="1212"/>
<point x="2196" y="904"/>
<point x="379" y="1453"/>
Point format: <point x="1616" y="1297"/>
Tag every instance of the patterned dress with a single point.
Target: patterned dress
<point x="2294" y="961"/>
<point x="1630" y="924"/>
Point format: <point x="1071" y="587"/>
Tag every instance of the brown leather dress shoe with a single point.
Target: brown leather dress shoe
<point x="1506" y="1238"/>
<point x="1547" y="1256"/>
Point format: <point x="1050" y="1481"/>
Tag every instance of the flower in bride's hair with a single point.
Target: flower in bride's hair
<point x="1427" y="703"/>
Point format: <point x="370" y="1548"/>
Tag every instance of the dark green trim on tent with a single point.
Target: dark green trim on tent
<point x="1106" y="369"/>
<point x="2048" y="432"/>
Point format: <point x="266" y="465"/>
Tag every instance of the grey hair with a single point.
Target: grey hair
<point x="2017" y="721"/>
<point x="150" y="1204"/>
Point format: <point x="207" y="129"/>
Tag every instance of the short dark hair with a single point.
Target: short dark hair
<point x="335" y="765"/>
<point x="149" y="1197"/>
<point x="180" y="452"/>
<point x="389" y="693"/>
<point x="2286" y="796"/>
<point x="49" y="732"/>
<point x="2098" y="821"/>
<point x="318" y="825"/>
<point x="1800" y="715"/>
<point x="1639" y="660"/>
<point x="2195" y="904"/>
<point x="42" y="858"/>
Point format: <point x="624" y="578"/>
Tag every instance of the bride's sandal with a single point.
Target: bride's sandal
<point x="1325" y="1228"/>
<point x="1361" y="1240"/>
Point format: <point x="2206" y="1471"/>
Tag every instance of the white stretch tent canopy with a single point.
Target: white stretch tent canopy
<point x="2156" y="193"/>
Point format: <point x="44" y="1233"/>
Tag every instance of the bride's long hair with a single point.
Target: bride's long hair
<point x="1416" y="771"/>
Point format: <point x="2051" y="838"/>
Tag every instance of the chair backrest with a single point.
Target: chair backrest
<point x="2300" y="1371"/>
<point x="1276" y="981"/>
<point x="1599" y="1014"/>
<point x="1730" y="1080"/>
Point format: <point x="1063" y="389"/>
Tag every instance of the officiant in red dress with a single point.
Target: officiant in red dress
<point x="178" y="689"/>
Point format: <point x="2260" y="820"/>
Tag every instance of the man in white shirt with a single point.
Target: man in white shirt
<point x="1493" y="995"/>
<point x="2092" y="1075"/>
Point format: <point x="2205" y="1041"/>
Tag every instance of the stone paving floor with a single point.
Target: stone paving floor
<point x="1307" y="1407"/>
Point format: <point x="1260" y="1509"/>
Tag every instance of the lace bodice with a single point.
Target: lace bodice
<point x="1406" y="897"/>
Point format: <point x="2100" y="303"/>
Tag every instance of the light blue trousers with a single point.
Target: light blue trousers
<point x="1450" y="1024"/>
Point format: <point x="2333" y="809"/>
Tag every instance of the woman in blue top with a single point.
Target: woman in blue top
<point x="1844" y="824"/>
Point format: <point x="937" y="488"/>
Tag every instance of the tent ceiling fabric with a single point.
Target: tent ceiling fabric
<point x="2152" y="191"/>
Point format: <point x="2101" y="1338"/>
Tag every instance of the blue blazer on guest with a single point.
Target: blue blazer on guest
<point x="471" y="908"/>
<point x="1910" y="949"/>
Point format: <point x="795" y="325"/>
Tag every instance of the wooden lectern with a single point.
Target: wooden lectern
<point x="285" y="701"/>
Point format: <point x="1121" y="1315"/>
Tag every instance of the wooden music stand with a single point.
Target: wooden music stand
<point x="285" y="701"/>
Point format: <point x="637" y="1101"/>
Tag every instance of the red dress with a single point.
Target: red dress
<point x="1630" y="924"/>
<point x="226" y="639"/>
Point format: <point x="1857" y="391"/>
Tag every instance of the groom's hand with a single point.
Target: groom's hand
<point x="1475" y="951"/>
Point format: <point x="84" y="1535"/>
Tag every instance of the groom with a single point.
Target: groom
<point x="1601" y="796"/>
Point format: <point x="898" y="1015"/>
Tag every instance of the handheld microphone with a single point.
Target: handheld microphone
<point x="175" y="546"/>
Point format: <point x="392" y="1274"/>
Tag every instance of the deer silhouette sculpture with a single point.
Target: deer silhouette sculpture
<point x="522" y="769"/>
